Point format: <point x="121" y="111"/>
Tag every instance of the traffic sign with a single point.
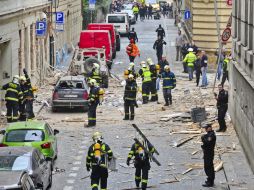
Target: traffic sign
<point x="187" y="15"/>
<point x="229" y="2"/>
<point x="92" y="4"/>
<point x="226" y="35"/>
<point x="41" y="28"/>
<point x="60" y="17"/>
<point x="59" y="27"/>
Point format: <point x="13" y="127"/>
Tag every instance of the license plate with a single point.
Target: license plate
<point x="70" y="96"/>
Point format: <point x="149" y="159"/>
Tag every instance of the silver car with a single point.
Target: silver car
<point x="27" y="159"/>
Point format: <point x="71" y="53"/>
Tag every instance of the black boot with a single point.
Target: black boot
<point x="132" y="117"/>
<point x="137" y="184"/>
<point x="126" y="117"/>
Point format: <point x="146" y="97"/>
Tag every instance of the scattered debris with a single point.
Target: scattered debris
<point x="195" y="152"/>
<point x="186" y="132"/>
<point x="187" y="171"/>
<point x="218" y="166"/>
<point x="148" y="187"/>
<point x="185" y="140"/>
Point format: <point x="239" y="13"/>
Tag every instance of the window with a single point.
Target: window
<point x="116" y="19"/>
<point x="14" y="163"/>
<point x="25" y="135"/>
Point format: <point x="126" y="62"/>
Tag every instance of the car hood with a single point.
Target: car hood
<point x="10" y="178"/>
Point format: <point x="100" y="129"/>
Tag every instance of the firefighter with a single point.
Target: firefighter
<point x="160" y="31"/>
<point x="169" y="83"/>
<point x="141" y="163"/>
<point x="129" y="98"/>
<point x="133" y="35"/>
<point x="130" y="70"/>
<point x="222" y="106"/>
<point x="98" y="156"/>
<point x="158" y="46"/>
<point x="95" y="74"/>
<point x="95" y="98"/>
<point x="26" y="107"/>
<point x="153" y="70"/>
<point x="209" y="141"/>
<point x="146" y="74"/>
<point x="190" y="59"/>
<point x="225" y="68"/>
<point x="135" y="11"/>
<point x="132" y="50"/>
<point x="12" y="97"/>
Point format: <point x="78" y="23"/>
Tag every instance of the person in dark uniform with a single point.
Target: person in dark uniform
<point x="222" y="106"/>
<point x="141" y="163"/>
<point x="162" y="63"/>
<point x="158" y="46"/>
<point x="150" y="11"/>
<point x="209" y="141"/>
<point x="13" y="96"/>
<point x="160" y="31"/>
<point x="133" y="35"/>
<point x="197" y="67"/>
<point x="154" y="75"/>
<point x="98" y="156"/>
<point x="225" y="68"/>
<point x="129" y="98"/>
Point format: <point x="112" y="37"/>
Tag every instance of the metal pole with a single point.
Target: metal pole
<point x="219" y="40"/>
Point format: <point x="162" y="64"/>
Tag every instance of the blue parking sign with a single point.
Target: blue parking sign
<point x="187" y="15"/>
<point x="60" y="17"/>
<point x="41" y="28"/>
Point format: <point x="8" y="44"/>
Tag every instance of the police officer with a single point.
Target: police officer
<point x="98" y="156"/>
<point x="26" y="107"/>
<point x="169" y="83"/>
<point x="133" y="35"/>
<point x="160" y="31"/>
<point x="190" y="59"/>
<point x="222" y="106"/>
<point x="158" y="46"/>
<point x="129" y="98"/>
<point x="94" y="99"/>
<point x="95" y="74"/>
<point x="141" y="163"/>
<point x="209" y="141"/>
<point x="153" y="70"/>
<point x="146" y="74"/>
<point x="12" y="97"/>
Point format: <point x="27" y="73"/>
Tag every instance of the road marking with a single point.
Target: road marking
<point x="70" y="181"/>
<point x="68" y="188"/>
<point x="75" y="168"/>
<point x="73" y="175"/>
<point x="77" y="163"/>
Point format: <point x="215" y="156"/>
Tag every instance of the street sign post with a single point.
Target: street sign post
<point x="187" y="15"/>
<point x="60" y="17"/>
<point x="92" y="5"/>
<point x="226" y="35"/>
<point x="41" y="28"/>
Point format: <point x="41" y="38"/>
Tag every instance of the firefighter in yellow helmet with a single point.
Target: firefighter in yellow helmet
<point x="98" y="156"/>
<point x="190" y="59"/>
<point x="95" y="74"/>
<point x="130" y="70"/>
<point x="141" y="162"/>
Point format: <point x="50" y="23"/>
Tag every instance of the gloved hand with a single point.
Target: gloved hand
<point x="128" y="162"/>
<point x="24" y="71"/>
<point x="88" y="167"/>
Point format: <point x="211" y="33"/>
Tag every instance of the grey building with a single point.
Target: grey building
<point x="242" y="75"/>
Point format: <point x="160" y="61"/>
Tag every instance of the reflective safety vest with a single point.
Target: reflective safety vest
<point x="13" y="92"/>
<point x="135" y="10"/>
<point x="97" y="77"/>
<point x="190" y="58"/>
<point x="225" y="65"/>
<point x="146" y="74"/>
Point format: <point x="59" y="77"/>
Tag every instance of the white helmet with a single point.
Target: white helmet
<point x="166" y="67"/>
<point x="190" y="50"/>
<point x="92" y="81"/>
<point x="132" y="64"/>
<point x="16" y="79"/>
<point x="22" y="78"/>
<point x="143" y="63"/>
<point x="131" y="76"/>
<point x="97" y="136"/>
<point x="96" y="65"/>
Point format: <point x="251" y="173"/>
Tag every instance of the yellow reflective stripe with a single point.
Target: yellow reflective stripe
<point x="130" y="98"/>
<point x="109" y="151"/>
<point x="12" y="99"/>
<point x="144" y="181"/>
<point x="137" y="177"/>
<point x="94" y="185"/>
<point x="167" y="86"/>
<point x="144" y="95"/>
<point x="15" y="117"/>
<point x="13" y="90"/>
<point x="91" y="118"/>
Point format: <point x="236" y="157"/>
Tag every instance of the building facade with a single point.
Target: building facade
<point x="242" y="76"/>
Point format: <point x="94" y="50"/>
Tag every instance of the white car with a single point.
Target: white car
<point x="130" y="14"/>
<point x="121" y="22"/>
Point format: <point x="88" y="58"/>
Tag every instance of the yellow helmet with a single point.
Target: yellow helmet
<point x="97" y="136"/>
<point x="101" y="92"/>
<point x="157" y="67"/>
<point x="126" y="72"/>
<point x="22" y="78"/>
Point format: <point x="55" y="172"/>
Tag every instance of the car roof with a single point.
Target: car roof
<point x="78" y="77"/>
<point x="26" y="125"/>
<point x="16" y="151"/>
<point x="10" y="178"/>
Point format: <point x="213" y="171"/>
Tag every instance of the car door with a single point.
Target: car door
<point x="51" y="138"/>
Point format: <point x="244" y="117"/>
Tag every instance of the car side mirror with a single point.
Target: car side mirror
<point x="2" y="132"/>
<point x="56" y="131"/>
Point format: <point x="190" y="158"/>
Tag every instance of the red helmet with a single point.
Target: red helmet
<point x="132" y="41"/>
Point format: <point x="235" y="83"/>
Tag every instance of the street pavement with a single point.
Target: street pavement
<point x="74" y="140"/>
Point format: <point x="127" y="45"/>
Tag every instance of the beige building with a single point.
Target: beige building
<point x="202" y="26"/>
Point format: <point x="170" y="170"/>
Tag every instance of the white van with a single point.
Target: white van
<point x="120" y="21"/>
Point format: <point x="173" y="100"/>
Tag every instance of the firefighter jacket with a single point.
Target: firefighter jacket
<point x="222" y="99"/>
<point x="146" y="74"/>
<point x="153" y="72"/>
<point x="95" y="75"/>
<point x="139" y="154"/>
<point x="99" y="156"/>
<point x="130" y="91"/>
<point x="135" y="10"/>
<point x="209" y="141"/>
<point x="190" y="59"/>
<point x="225" y="65"/>
<point x="132" y="50"/>
<point x="27" y="88"/>
<point x="13" y="92"/>
<point x="169" y="80"/>
<point x="94" y="95"/>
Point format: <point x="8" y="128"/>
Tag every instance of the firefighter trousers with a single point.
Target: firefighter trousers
<point x="167" y="95"/>
<point x="92" y="114"/>
<point x="99" y="175"/>
<point x="29" y="109"/>
<point x="146" y="88"/>
<point x="12" y="111"/>
<point x="141" y="171"/>
<point x="22" y="111"/>
<point x="129" y="109"/>
<point x="154" y="96"/>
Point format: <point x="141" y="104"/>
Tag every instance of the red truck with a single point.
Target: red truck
<point x="97" y="39"/>
<point x="115" y="40"/>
